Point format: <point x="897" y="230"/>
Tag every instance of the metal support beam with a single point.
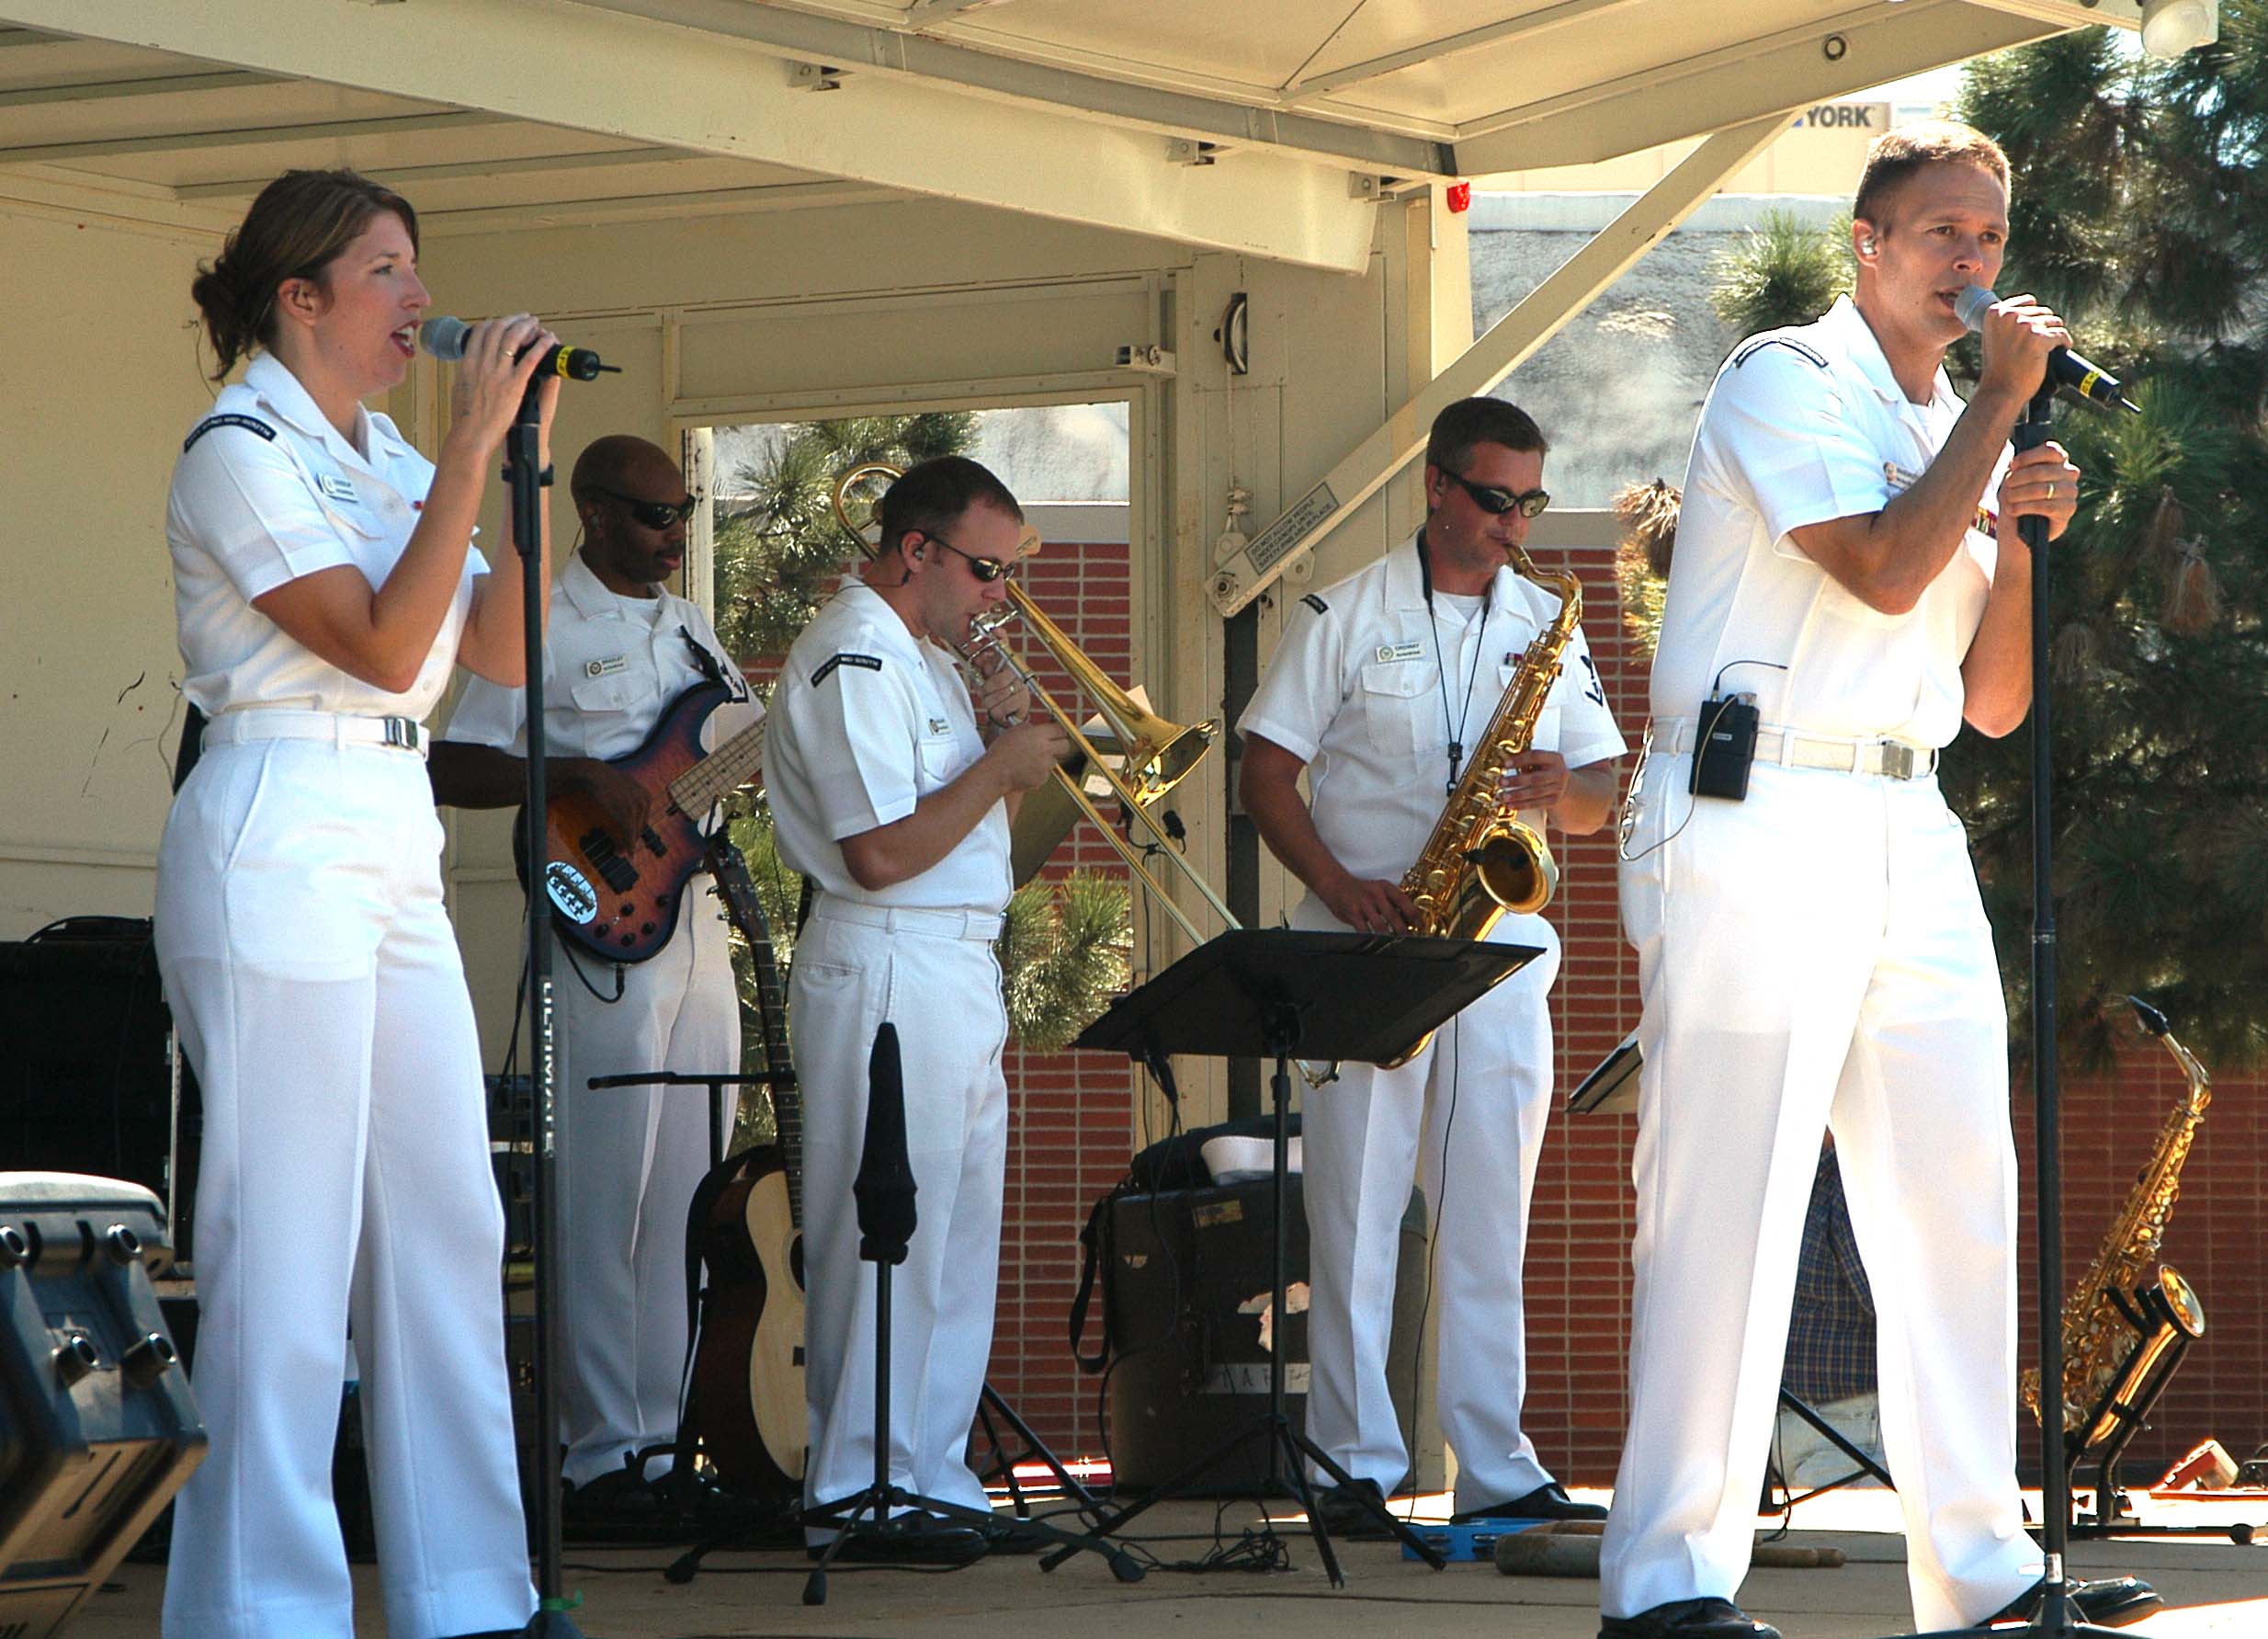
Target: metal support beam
<point x="173" y="141"/>
<point x="1520" y="28"/>
<point x="168" y="84"/>
<point x="1532" y="321"/>
<point x="1792" y="69"/>
<point x="2072" y="14"/>
<point x="926" y="13"/>
<point x="937" y="63"/>
<point x="703" y="75"/>
<point x="406" y="179"/>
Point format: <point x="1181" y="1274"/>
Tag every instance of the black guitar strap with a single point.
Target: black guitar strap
<point x="704" y="661"/>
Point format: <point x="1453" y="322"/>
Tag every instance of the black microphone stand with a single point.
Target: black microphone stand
<point x="523" y="480"/>
<point x="2055" y="1618"/>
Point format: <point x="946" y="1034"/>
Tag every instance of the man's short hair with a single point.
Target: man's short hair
<point x="1896" y="155"/>
<point x="1472" y="421"/>
<point x="930" y="497"/>
<point x="606" y="462"/>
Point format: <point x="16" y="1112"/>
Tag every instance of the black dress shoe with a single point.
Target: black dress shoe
<point x="1546" y="1502"/>
<point x="1347" y="1511"/>
<point x="933" y="1542"/>
<point x="2112" y="1602"/>
<point x="1688" y="1619"/>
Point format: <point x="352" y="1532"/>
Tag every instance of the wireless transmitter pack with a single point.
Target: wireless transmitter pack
<point x="1728" y="747"/>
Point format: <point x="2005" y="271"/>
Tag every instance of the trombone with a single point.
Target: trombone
<point x="1155" y="754"/>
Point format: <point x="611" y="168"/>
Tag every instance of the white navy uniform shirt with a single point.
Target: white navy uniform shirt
<point x="868" y="720"/>
<point x="612" y="666"/>
<point x="1802" y="425"/>
<point x="1355" y="691"/>
<point x="266" y="490"/>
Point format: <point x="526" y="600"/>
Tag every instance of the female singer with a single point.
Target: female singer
<point x="325" y="585"/>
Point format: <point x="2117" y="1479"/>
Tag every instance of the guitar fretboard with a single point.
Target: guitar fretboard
<point x="720" y="773"/>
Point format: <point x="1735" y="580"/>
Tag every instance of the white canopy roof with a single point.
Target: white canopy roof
<point x="1265" y="126"/>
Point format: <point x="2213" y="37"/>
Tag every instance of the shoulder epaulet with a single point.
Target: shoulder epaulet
<point x="1317" y="604"/>
<point x="249" y="423"/>
<point x="872" y="663"/>
<point x="1800" y="349"/>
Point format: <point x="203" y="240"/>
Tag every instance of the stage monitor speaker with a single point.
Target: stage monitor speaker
<point x="1187" y="1284"/>
<point x="97" y="1428"/>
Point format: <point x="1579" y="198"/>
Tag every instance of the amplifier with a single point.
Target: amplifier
<point x="97" y="1428"/>
<point x="1186" y="1284"/>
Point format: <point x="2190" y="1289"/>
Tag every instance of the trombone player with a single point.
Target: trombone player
<point x="1380" y="688"/>
<point x="893" y="794"/>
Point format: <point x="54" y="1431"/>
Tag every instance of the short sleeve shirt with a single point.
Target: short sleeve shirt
<point x="867" y="721"/>
<point x="612" y="666"/>
<point x="1355" y="691"/>
<point x="1803" y="425"/>
<point x="266" y="490"/>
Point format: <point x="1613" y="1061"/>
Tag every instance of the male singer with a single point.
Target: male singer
<point x="890" y="796"/>
<point x="621" y="648"/>
<point x="1380" y="689"/>
<point x="1811" y="948"/>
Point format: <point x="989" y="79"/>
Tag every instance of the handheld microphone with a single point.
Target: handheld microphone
<point x="444" y="337"/>
<point x="2064" y="368"/>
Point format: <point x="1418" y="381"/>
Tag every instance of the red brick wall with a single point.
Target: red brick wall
<point x="1068" y="1127"/>
<point x="1070" y="1139"/>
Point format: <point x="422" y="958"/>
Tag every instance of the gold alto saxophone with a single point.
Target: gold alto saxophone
<point x="2130" y="1318"/>
<point x="1481" y="862"/>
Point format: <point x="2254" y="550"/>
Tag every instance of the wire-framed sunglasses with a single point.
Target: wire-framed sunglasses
<point x="654" y="515"/>
<point x="987" y="569"/>
<point x="1497" y="502"/>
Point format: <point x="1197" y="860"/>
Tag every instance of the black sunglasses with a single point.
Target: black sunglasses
<point x="654" y="515"/>
<point x="1497" y="502"/>
<point x="987" y="569"/>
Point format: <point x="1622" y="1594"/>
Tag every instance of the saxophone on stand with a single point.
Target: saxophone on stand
<point x="2130" y="1319"/>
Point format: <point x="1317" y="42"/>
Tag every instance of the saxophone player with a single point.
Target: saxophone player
<point x="1812" y="951"/>
<point x="1380" y="688"/>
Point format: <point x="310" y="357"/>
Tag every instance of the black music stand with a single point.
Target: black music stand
<point x="1282" y="993"/>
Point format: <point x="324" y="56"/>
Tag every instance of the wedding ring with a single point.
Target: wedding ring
<point x="2051" y="489"/>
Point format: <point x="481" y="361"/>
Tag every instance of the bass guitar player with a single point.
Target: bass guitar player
<point x="623" y="653"/>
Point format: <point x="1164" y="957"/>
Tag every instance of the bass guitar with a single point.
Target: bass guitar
<point x="622" y="904"/>
<point x="748" y="1217"/>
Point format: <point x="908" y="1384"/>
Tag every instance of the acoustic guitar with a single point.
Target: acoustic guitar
<point x="748" y="1362"/>
<point x="622" y="904"/>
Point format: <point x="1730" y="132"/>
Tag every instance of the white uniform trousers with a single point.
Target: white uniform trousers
<point x="316" y="984"/>
<point x="628" y="1161"/>
<point x="943" y="994"/>
<point x="1817" y="956"/>
<point x="1463" y="1120"/>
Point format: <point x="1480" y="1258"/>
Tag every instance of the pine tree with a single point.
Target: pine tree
<point x="1062" y="950"/>
<point x="2140" y="213"/>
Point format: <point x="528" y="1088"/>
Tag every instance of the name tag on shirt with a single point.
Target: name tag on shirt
<point x="336" y="487"/>
<point x="607" y="667"/>
<point x="938" y="725"/>
<point x="1389" y="653"/>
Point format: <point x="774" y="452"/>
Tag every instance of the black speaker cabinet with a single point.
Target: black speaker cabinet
<point x="88" y="1082"/>
<point x="1188" y="1283"/>
<point x="97" y="1428"/>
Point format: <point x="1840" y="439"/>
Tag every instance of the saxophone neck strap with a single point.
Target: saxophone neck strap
<point x="1454" y="731"/>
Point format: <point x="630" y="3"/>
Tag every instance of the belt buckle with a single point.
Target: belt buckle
<point x="1899" y="760"/>
<point x="401" y="731"/>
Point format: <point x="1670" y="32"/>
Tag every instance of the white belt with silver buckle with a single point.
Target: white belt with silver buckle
<point x="268" y="722"/>
<point x="958" y="924"/>
<point x="1791" y="748"/>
